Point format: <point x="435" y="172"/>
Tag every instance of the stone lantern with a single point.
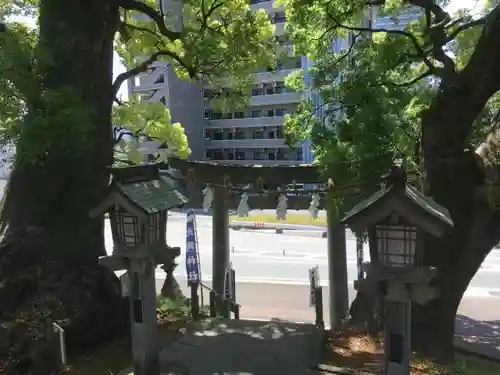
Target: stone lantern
<point x="137" y="202"/>
<point x="394" y="218"/>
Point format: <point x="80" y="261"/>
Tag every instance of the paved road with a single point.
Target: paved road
<point x="258" y="257"/>
<point x="270" y="284"/>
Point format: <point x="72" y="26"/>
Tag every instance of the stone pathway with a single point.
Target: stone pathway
<point x="243" y="347"/>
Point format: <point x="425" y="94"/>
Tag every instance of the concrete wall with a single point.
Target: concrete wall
<point x="186" y="106"/>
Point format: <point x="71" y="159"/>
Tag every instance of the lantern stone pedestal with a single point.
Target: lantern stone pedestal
<point x="395" y="217"/>
<point x="137" y="202"/>
<point x="399" y="287"/>
<point x="142" y="297"/>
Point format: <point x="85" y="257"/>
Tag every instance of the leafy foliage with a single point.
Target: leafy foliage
<point x="16" y="83"/>
<point x="221" y="40"/>
<point x="374" y="83"/>
<point x="146" y="120"/>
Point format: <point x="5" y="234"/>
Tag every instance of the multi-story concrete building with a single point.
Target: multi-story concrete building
<point x="254" y="135"/>
<point x="184" y="100"/>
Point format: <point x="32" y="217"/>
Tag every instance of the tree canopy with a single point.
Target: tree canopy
<point x="219" y="39"/>
<point x="376" y="82"/>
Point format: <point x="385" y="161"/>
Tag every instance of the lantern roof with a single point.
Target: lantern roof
<point x="141" y="191"/>
<point x="404" y="199"/>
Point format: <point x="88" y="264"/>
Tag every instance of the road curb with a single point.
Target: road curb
<point x="463" y="348"/>
<point x="328" y="369"/>
<point x="258" y="225"/>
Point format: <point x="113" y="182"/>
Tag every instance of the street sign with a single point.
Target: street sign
<point x="230" y="284"/>
<point x="192" y="261"/>
<point x="313" y="284"/>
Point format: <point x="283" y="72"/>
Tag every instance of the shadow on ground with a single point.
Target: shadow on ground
<point x="481" y="336"/>
<point x="244" y="347"/>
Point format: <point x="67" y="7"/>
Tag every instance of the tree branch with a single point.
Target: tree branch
<point x="437" y="33"/>
<point x="142" y="7"/>
<point x="425" y="74"/>
<point x="418" y="47"/>
<point x="463" y="27"/>
<point x="206" y="15"/>
<point x="142" y="67"/>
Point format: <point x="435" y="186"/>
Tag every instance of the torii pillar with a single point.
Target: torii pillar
<point x="337" y="262"/>
<point x="220" y="238"/>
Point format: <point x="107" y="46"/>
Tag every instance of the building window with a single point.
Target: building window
<point x="239" y="114"/>
<point x="352" y="39"/>
<point x="257" y="113"/>
<point x="218" y="155"/>
<point x="163" y="100"/>
<point x="270" y="91"/>
<point x="256" y="92"/>
<point x="240" y="155"/>
<point x="215" y="116"/>
<point x="239" y="134"/>
<point x="270" y="113"/>
<point x="218" y="136"/>
<point x="278" y="17"/>
<point x="258" y="134"/>
<point x="280" y="111"/>
<point x="160" y="79"/>
<point x="207" y="114"/>
<point x="208" y="135"/>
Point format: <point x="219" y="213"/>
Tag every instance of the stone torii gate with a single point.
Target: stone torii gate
<point x="222" y="178"/>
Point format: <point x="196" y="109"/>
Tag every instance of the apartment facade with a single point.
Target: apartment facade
<point x="251" y="136"/>
<point x="254" y="135"/>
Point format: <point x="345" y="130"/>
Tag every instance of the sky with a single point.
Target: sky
<point x="474" y="5"/>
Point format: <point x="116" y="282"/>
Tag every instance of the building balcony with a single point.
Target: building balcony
<point x="246" y="143"/>
<point x="147" y="87"/>
<point x="276" y="99"/>
<point x="266" y="77"/>
<point x="263" y="77"/>
<point x="259" y="162"/>
<point x="268" y="6"/>
<point x="247" y="122"/>
<point x="279" y="28"/>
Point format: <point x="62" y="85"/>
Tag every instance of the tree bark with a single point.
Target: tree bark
<point x="50" y="246"/>
<point x="453" y="174"/>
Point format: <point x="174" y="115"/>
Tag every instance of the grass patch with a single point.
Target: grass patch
<point x="464" y="365"/>
<point x="297" y="219"/>
<point x="114" y="357"/>
<point x="108" y="359"/>
<point x="360" y="352"/>
<point x="472" y="366"/>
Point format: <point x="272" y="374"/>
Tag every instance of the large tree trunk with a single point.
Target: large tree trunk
<point x="454" y="174"/>
<point x="50" y="246"/>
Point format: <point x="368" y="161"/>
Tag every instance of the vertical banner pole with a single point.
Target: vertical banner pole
<point x="360" y="256"/>
<point x="192" y="254"/>
<point x="198" y="255"/>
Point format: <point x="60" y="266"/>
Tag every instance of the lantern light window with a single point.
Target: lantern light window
<point x="396" y="242"/>
<point x="128" y="229"/>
